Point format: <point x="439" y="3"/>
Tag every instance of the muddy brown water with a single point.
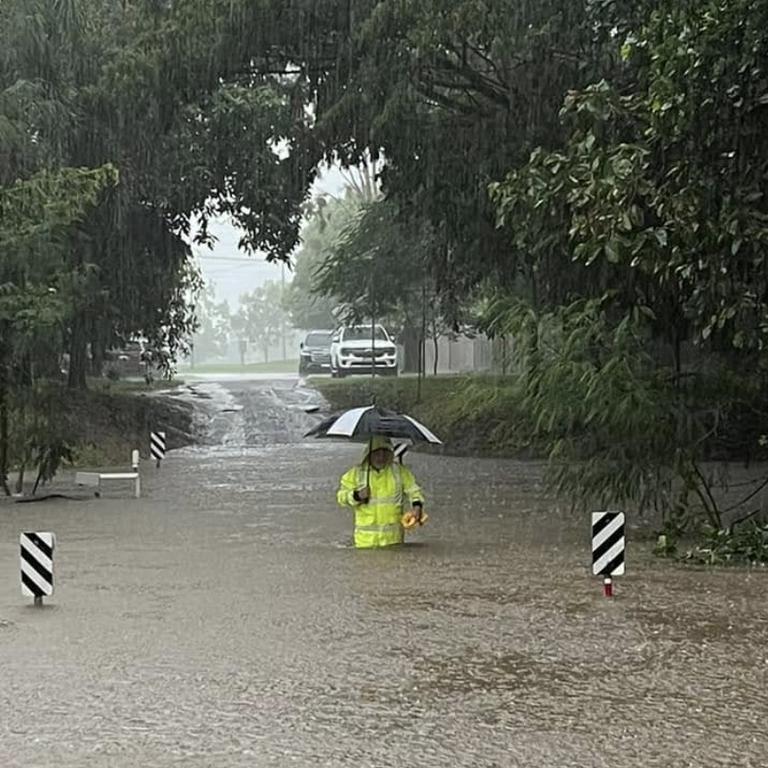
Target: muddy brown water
<point x="223" y="620"/>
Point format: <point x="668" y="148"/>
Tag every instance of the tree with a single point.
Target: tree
<point x="192" y="124"/>
<point x="451" y="95"/>
<point x="655" y="209"/>
<point x="214" y="326"/>
<point x="155" y="113"/>
<point x="36" y="292"/>
<point x="307" y="309"/>
<point x="260" y="317"/>
<point x="377" y="269"/>
<point x="657" y="194"/>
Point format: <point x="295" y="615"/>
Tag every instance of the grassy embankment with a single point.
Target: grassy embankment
<point x="473" y="415"/>
<point x="107" y="421"/>
<point x="110" y="419"/>
<point x="279" y="366"/>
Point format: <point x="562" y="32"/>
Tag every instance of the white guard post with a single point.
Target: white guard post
<point x="94" y="479"/>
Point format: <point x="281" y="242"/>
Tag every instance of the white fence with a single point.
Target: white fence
<point x="469" y="355"/>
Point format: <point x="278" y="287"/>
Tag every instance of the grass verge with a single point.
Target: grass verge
<point x="279" y="366"/>
<point x="473" y="415"/>
<point x="106" y="422"/>
<point x="134" y="386"/>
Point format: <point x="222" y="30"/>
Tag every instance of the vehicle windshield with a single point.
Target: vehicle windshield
<point x="318" y="340"/>
<point x="363" y="333"/>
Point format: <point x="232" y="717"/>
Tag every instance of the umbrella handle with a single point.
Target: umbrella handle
<point x="368" y="465"/>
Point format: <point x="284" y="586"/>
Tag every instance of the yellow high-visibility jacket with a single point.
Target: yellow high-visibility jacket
<point x="393" y="489"/>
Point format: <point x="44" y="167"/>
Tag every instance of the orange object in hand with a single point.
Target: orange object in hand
<point x="409" y="520"/>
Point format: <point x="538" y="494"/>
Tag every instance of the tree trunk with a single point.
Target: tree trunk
<point x="49" y="365"/>
<point x="78" y="358"/>
<point x="99" y="336"/>
<point x="97" y="359"/>
<point x="422" y="365"/>
<point x="4" y="433"/>
<point x="436" y="345"/>
<point x="37" y="481"/>
<point x="411" y="343"/>
<point x="20" y="480"/>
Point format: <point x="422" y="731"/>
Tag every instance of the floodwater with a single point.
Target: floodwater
<point x="223" y="620"/>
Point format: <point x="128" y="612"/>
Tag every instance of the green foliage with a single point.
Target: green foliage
<point x="451" y="94"/>
<point x="658" y="191"/>
<point x="308" y="309"/>
<point x="363" y="259"/>
<point x="377" y="267"/>
<point x="743" y="545"/>
<point x="642" y="234"/>
<point x="619" y="428"/>
<point x="120" y="123"/>
<point x="37" y="434"/>
<point x="33" y="211"/>
<point x="495" y="407"/>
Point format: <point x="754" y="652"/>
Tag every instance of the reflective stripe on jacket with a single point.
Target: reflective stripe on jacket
<point x="377" y="522"/>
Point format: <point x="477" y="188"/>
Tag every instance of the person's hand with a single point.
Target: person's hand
<point x="363" y="494"/>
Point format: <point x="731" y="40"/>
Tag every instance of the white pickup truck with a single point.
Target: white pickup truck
<point x="355" y="350"/>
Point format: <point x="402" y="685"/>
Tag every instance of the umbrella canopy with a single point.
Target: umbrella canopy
<point x="372" y="421"/>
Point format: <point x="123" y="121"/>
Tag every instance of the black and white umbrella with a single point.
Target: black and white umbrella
<point x="372" y="421"/>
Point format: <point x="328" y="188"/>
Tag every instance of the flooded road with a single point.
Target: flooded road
<point x="223" y="620"/>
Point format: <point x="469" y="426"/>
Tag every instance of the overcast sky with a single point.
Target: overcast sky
<point x="231" y="271"/>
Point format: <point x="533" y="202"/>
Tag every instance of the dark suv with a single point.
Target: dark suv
<point x="315" y="354"/>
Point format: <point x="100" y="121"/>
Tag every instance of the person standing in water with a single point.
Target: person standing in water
<point x="379" y="490"/>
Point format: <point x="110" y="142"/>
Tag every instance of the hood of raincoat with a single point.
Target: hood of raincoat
<point x="375" y="444"/>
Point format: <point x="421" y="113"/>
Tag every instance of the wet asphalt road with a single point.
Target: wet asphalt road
<point x="222" y="620"/>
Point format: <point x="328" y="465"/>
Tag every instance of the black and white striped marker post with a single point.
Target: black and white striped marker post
<point x="157" y="446"/>
<point x="37" y="565"/>
<point x="608" y="547"/>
